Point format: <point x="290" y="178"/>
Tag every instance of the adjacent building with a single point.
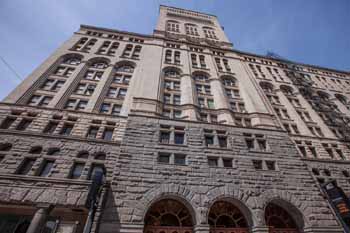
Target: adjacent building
<point x="190" y="134"/>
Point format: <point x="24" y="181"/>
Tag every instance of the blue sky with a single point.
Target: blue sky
<point x="309" y="31"/>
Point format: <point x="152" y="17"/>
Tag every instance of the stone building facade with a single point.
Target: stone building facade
<point x="191" y="135"/>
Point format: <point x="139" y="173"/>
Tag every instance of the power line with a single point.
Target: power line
<point x="10" y="68"/>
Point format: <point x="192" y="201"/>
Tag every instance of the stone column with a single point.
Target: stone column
<point x="187" y="97"/>
<point x="39" y="219"/>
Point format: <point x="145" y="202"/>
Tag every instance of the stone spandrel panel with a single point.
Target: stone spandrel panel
<point x="139" y="179"/>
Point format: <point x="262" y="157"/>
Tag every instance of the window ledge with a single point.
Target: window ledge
<point x="260" y="152"/>
<point x="173" y="144"/>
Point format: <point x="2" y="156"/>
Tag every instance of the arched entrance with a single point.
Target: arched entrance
<point x="225" y="217"/>
<point x="168" y="216"/>
<point x="279" y="220"/>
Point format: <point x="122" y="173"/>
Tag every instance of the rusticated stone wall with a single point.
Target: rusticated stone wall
<point x="139" y="180"/>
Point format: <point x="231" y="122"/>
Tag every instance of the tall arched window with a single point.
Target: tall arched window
<point x="232" y="92"/>
<point x="278" y="219"/>
<point x="203" y="90"/>
<point x="171" y="92"/>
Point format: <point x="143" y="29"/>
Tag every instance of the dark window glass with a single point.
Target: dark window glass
<point x="262" y="145"/>
<point x="271" y="165"/>
<point x="108" y="134"/>
<point x="313" y="151"/>
<point x="50" y="128"/>
<point x="222" y="142"/>
<point x="77" y="170"/>
<point x="164" y="137"/>
<point x="164" y="158"/>
<point x="179" y="138"/>
<point x="26" y="166"/>
<point x="257" y="164"/>
<point x="7" y="122"/>
<point x="227" y="162"/>
<point x="24" y="124"/>
<point x="96" y="168"/>
<point x="315" y="171"/>
<point x="302" y="150"/>
<point x="212" y="162"/>
<point x="180" y="159"/>
<point x="250" y="143"/>
<point x="46" y="168"/>
<point x="92" y="132"/>
<point x="66" y="129"/>
<point x="209" y="140"/>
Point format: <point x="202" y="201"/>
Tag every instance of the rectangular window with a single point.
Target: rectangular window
<point x="271" y="165"/>
<point x="77" y="170"/>
<point x="257" y="164"/>
<point x="116" y="109"/>
<point x="108" y="134"/>
<point x="164" y="137"/>
<point x="250" y="143"/>
<point x="7" y="122"/>
<point x="164" y="158"/>
<point x="227" y="162"/>
<point x="92" y="133"/>
<point x="209" y="140"/>
<point x="66" y="129"/>
<point x="23" y="125"/>
<point x="210" y="103"/>
<point x="46" y="168"/>
<point x="179" y="138"/>
<point x="95" y="168"/>
<point x="179" y="159"/>
<point x="222" y="141"/>
<point x="51" y="127"/>
<point x="213" y="162"/>
<point x="26" y="166"/>
<point x="105" y="108"/>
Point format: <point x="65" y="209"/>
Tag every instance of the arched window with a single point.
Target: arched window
<point x="343" y="99"/>
<point x="287" y="90"/>
<point x="233" y="94"/>
<point x="224" y="214"/>
<point x="99" y="65"/>
<point x="83" y="154"/>
<point x="173" y="26"/>
<point x="323" y="95"/>
<point x="203" y="90"/>
<point x="168" y="213"/>
<point x="267" y="87"/>
<point x="125" y="68"/>
<point x="277" y="218"/>
<point x="36" y="150"/>
<point x="171" y="73"/>
<point x="5" y="146"/>
<point x="100" y="156"/>
<point x="72" y="61"/>
<point x="53" y="151"/>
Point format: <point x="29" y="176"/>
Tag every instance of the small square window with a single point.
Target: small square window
<point x="271" y="165"/>
<point x="257" y="164"/>
<point x="213" y="162"/>
<point x="227" y="162"/>
<point x="180" y="159"/>
<point x="222" y="141"/>
<point x="209" y="140"/>
<point x="164" y="158"/>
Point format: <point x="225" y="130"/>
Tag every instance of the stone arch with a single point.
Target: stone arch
<point x="172" y="68"/>
<point x="94" y="60"/>
<point x="72" y="55"/>
<point x="267" y="86"/>
<point x="286" y="89"/>
<point x="239" y="198"/>
<point x="342" y="98"/>
<point x="323" y="95"/>
<point x="123" y="63"/>
<point x="288" y="202"/>
<point x="241" y="216"/>
<point x="168" y="191"/>
<point x="202" y="73"/>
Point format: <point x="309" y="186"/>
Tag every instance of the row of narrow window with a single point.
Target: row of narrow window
<point x="108" y="48"/>
<point x="57" y="125"/>
<point x="212" y="138"/>
<point x="191" y="29"/>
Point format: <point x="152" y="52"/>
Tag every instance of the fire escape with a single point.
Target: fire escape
<point x="328" y="110"/>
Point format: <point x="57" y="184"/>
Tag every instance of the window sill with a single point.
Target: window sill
<point x="260" y="151"/>
<point x="173" y="144"/>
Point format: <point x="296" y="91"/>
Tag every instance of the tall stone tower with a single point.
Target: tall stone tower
<point x="173" y="132"/>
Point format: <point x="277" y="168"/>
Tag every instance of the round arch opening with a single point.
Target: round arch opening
<point x="281" y="217"/>
<point x="226" y="217"/>
<point x="168" y="216"/>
